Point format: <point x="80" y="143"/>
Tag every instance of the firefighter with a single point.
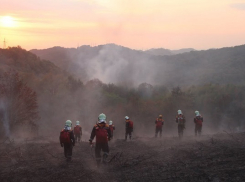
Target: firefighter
<point x="129" y="128"/>
<point x="67" y="140"/>
<point x="112" y="128"/>
<point x="180" y="119"/>
<point x="159" y="123"/>
<point x="198" y="120"/>
<point x="78" y="131"/>
<point x="103" y="134"/>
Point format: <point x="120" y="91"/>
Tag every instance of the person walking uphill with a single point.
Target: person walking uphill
<point x="78" y="131"/>
<point x="159" y="123"/>
<point x="180" y="119"/>
<point x="112" y="128"/>
<point x="198" y="123"/>
<point x="102" y="133"/>
<point x="129" y="128"/>
<point x="67" y="140"/>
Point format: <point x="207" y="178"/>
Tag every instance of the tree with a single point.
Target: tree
<point x="145" y="90"/>
<point x="18" y="104"/>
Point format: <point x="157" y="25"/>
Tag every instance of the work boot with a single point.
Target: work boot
<point x="104" y="158"/>
<point x="68" y="159"/>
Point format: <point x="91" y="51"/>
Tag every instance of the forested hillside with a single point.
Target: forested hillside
<point x="119" y="65"/>
<point x="62" y="96"/>
<point x="25" y="62"/>
<point x="164" y="52"/>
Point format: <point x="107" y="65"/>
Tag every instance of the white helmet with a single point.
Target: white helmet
<point x="68" y="123"/>
<point x="197" y="113"/>
<point x="102" y="118"/>
<point x="110" y="122"/>
<point x="77" y="123"/>
<point x="179" y="112"/>
<point x="126" y="117"/>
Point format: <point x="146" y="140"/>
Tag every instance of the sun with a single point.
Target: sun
<point x="7" y="21"/>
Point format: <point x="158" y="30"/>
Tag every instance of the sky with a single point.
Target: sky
<point x="137" y="24"/>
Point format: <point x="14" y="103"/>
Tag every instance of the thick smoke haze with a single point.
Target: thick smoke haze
<point x="160" y="71"/>
<point x="115" y="64"/>
<point x="120" y="65"/>
<point x="119" y="81"/>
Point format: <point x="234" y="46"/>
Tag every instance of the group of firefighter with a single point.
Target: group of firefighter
<point x="103" y="133"/>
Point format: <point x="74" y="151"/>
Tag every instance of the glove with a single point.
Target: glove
<point x="61" y="145"/>
<point x="90" y="142"/>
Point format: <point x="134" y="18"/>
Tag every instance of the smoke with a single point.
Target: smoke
<point x="130" y="68"/>
<point x="4" y="117"/>
<point x="118" y="65"/>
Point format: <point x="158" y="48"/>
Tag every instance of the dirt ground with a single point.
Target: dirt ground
<point x="219" y="157"/>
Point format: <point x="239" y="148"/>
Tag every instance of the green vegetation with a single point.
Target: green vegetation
<point x="18" y="105"/>
<point x="61" y="96"/>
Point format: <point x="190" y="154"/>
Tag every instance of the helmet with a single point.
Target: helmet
<point x="102" y="118"/>
<point x="77" y="123"/>
<point x="179" y="112"/>
<point x="126" y="117"/>
<point x="160" y="116"/>
<point x="110" y="122"/>
<point x="197" y="113"/>
<point x="68" y="123"/>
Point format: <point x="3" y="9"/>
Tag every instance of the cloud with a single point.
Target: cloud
<point x="240" y="6"/>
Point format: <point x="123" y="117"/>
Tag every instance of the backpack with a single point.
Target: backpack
<point x="101" y="134"/>
<point x="111" y="128"/>
<point x="65" y="136"/>
<point x="131" y="124"/>
<point x="181" y="120"/>
<point x="198" y="120"/>
<point x="77" y="129"/>
<point x="159" y="123"/>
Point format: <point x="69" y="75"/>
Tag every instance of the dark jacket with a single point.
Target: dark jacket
<point x="80" y="129"/>
<point x="198" y="120"/>
<point x="127" y="126"/>
<point x="180" y="119"/>
<point x="159" y="122"/>
<point x="102" y="133"/>
<point x="72" y="138"/>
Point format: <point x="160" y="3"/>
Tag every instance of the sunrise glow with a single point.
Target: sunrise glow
<point x="8" y="21"/>
<point x="135" y="24"/>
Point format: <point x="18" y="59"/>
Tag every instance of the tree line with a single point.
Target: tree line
<point x="46" y="98"/>
<point x="55" y="101"/>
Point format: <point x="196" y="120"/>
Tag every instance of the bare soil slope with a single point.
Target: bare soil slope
<point x="219" y="157"/>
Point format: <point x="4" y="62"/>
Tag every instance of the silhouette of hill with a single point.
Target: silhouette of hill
<point x="164" y="52"/>
<point x="116" y="64"/>
<point x="22" y="61"/>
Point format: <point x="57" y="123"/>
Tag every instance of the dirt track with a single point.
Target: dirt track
<point x="219" y="157"/>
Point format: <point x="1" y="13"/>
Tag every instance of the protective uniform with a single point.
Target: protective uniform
<point x="102" y="133"/>
<point x="159" y="123"/>
<point x="78" y="131"/>
<point x="198" y="120"/>
<point x="180" y="119"/>
<point x="112" y="128"/>
<point x="128" y="127"/>
<point x="67" y="139"/>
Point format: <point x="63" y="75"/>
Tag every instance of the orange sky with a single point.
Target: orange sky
<point x="138" y="24"/>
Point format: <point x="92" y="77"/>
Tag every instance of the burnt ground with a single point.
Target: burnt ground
<point x="219" y="157"/>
